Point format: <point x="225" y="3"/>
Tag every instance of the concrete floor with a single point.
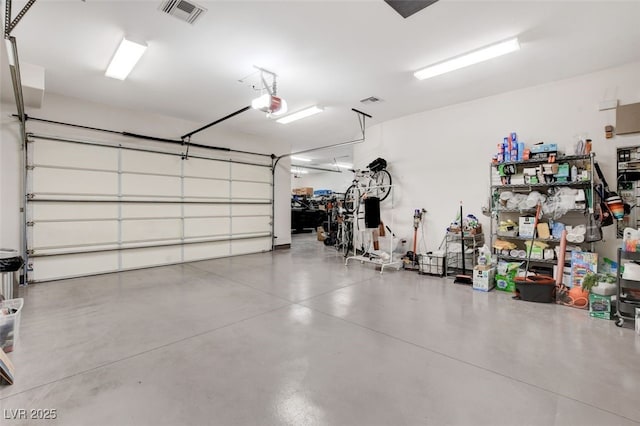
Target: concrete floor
<point x="296" y="338"/>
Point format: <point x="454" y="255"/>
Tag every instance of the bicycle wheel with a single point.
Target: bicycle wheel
<point x="382" y="179"/>
<point x="351" y="198"/>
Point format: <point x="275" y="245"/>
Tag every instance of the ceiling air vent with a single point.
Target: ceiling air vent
<point x="370" y="100"/>
<point x="183" y="10"/>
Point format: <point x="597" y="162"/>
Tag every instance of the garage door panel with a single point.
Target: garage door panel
<point x="202" y="251"/>
<point x="151" y="230"/>
<point x="250" y="190"/>
<point x="197" y="167"/>
<point x="247" y="172"/>
<point x="252" y="210"/>
<point x="52" y="153"/>
<point x="56" y="267"/>
<point x="150" y="186"/>
<point x="191" y="210"/>
<point x="62" y="181"/>
<point x="73" y="211"/>
<point x="206" y="188"/>
<point x="149" y="162"/>
<point x="245" y="225"/>
<point x="254" y="245"/>
<point x="77" y="233"/>
<point x="147" y="210"/>
<point x="153" y="256"/>
<point x="207" y="227"/>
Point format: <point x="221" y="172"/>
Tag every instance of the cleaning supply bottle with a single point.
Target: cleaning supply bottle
<point x="574" y="173"/>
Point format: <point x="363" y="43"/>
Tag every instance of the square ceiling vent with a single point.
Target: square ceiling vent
<point x="184" y="10"/>
<point x="407" y="8"/>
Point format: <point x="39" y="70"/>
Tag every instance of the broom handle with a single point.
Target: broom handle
<point x="561" y="256"/>
<point x="464" y="267"/>
<point x="533" y="237"/>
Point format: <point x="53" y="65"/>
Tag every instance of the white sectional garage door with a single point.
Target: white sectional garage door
<point x="95" y="209"/>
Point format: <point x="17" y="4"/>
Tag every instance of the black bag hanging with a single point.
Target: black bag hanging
<point x="372" y="212"/>
<point x="377" y="165"/>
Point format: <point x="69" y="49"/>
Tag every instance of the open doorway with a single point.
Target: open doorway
<point x="318" y="182"/>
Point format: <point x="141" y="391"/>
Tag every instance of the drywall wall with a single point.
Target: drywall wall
<point x="337" y="182"/>
<point x="60" y="108"/>
<point x="10" y="180"/>
<point x="440" y="157"/>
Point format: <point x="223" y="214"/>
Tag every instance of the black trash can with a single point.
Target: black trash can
<point x="10" y="262"/>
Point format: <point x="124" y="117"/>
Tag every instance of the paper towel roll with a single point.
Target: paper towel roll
<point x="580" y="230"/>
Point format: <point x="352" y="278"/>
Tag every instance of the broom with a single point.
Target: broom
<point x="463" y="278"/>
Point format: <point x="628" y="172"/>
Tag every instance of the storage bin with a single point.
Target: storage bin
<point x="432" y="264"/>
<point x="10" y="324"/>
<point x="537" y="288"/>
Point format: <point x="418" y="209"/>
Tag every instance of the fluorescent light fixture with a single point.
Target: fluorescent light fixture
<point x="299" y="172"/>
<point x="125" y="58"/>
<point x="306" y="160"/>
<point x="470" y="58"/>
<point x="307" y="112"/>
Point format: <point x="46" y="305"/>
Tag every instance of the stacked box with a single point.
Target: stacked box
<point x="303" y="191"/>
<point x="483" y="278"/>
<point x="525" y="226"/>
<point x="599" y="306"/>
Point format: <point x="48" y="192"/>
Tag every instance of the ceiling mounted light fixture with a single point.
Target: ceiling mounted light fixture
<point x="306" y="160"/>
<point x="268" y="101"/>
<point x="471" y="58"/>
<point x="307" y="112"/>
<point x="126" y="57"/>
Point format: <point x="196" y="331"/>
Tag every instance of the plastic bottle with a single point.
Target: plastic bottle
<point x="574" y="173"/>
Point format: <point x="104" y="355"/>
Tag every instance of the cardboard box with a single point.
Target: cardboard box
<point x="599" y="306"/>
<point x="525" y="226"/>
<point x="544" y="147"/>
<point x="483" y="278"/>
<point x="303" y="191"/>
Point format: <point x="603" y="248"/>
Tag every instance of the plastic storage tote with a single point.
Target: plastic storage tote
<point x="10" y="323"/>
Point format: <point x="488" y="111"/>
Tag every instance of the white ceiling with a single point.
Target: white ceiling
<point x="331" y="53"/>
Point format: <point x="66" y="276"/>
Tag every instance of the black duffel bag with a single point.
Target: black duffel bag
<point x="377" y="165"/>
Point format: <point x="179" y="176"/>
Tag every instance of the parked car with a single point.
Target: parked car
<point x="305" y="215"/>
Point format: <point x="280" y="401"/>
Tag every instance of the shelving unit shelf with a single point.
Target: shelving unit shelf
<point x="499" y="210"/>
<point x="559" y="159"/>
<point x="521" y="259"/>
<point x="581" y="184"/>
<point x="625" y="305"/>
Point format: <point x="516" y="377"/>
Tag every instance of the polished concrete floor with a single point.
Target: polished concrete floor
<point x="296" y="338"/>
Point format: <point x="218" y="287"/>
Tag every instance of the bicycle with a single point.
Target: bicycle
<point x="375" y="181"/>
